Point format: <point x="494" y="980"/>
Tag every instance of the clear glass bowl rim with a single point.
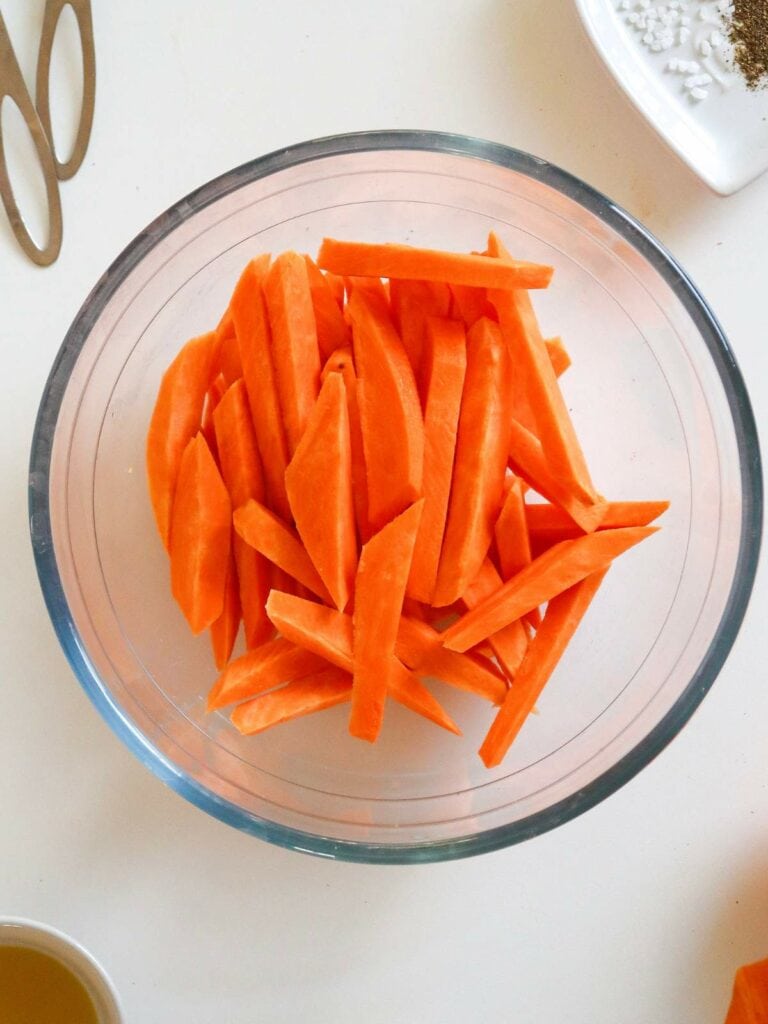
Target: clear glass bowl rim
<point x="749" y="458"/>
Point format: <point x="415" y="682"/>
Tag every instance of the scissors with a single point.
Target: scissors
<point x="37" y="116"/>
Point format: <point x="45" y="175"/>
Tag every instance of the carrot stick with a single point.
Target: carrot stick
<point x="749" y="1001"/>
<point x="445" y="366"/>
<point x="212" y="398"/>
<point x="470" y="304"/>
<point x="329" y="633"/>
<point x="527" y="460"/>
<point x="342" y="362"/>
<point x="481" y="454"/>
<point x="548" y="575"/>
<point x="175" y="421"/>
<point x="243" y="475"/>
<point x="323" y="690"/>
<point x="510" y="642"/>
<point x="224" y="629"/>
<point x="554" y="427"/>
<point x="406" y="688"/>
<point x="332" y="329"/>
<point x="560" y="361"/>
<point x="263" y="530"/>
<point x="249" y="313"/>
<point x="201" y="527"/>
<point x="294" y="342"/>
<point x="512" y="542"/>
<point x="336" y="284"/>
<point x="564" y="613"/>
<point x="319" y="485"/>
<point x="271" y="664"/>
<point x="382" y="574"/>
<point x="412" y="303"/>
<point x="549" y="525"/>
<point x="365" y="259"/>
<point x="390" y="413"/>
<point x="558" y="356"/>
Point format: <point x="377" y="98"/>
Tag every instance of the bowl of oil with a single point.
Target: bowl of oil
<point x="46" y="976"/>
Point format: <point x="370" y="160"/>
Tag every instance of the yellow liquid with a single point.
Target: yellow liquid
<point x="38" y="989"/>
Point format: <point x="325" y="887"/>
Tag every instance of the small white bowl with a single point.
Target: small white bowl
<point x="18" y="931"/>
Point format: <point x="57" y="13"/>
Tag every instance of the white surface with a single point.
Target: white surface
<point x="723" y="138"/>
<point x="636" y="913"/>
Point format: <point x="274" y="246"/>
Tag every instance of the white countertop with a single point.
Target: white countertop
<point x="636" y="913"/>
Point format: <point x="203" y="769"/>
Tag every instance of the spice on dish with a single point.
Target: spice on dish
<point x="748" y="33"/>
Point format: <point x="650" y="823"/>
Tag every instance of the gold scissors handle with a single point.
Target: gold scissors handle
<point x="82" y="10"/>
<point x="12" y="87"/>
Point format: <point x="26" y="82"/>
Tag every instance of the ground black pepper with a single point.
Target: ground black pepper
<point x="748" y="32"/>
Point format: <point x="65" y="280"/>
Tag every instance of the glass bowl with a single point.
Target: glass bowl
<point x="656" y="397"/>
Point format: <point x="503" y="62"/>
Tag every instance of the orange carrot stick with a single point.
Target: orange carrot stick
<point x="249" y="313"/>
<point x="212" y="398"/>
<point x="390" y="413"/>
<point x="342" y="362"/>
<point x="243" y="475"/>
<point x="481" y="454"/>
<point x="382" y="574"/>
<point x="201" y="527"/>
<point x="319" y="485"/>
<point x="554" y="427"/>
<point x="323" y="690"/>
<point x="271" y="664"/>
<point x="512" y="541"/>
<point x="563" y="615"/>
<point x="224" y="629"/>
<point x="412" y="303"/>
<point x="749" y="1002"/>
<point x="548" y="575"/>
<point x="558" y="355"/>
<point x="263" y="530"/>
<point x="470" y="304"/>
<point x="509" y="643"/>
<point x="548" y="524"/>
<point x="445" y="366"/>
<point x="329" y="633"/>
<point x="365" y="259"/>
<point x="295" y="353"/>
<point x="175" y="421"/>
<point x="332" y="329"/>
<point x="527" y="460"/>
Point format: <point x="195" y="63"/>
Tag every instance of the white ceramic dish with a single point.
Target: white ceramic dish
<point x="19" y="931"/>
<point x="723" y="137"/>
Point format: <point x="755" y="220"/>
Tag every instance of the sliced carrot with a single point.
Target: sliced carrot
<point x="390" y="412"/>
<point x="243" y="475"/>
<point x="382" y="574"/>
<point x="553" y="422"/>
<point x="319" y="485"/>
<point x="481" y="454"/>
<point x="548" y="575"/>
<point x="509" y="643"/>
<point x="212" y="398"/>
<point x="548" y="524"/>
<point x="336" y="284"/>
<point x="225" y="629"/>
<point x="749" y="1002"/>
<point x="407" y="689"/>
<point x="332" y="329"/>
<point x="365" y="259"/>
<point x="527" y="460"/>
<point x="175" y="421"/>
<point x="558" y="356"/>
<point x="412" y="302"/>
<point x="564" y="613"/>
<point x="329" y="634"/>
<point x="512" y="541"/>
<point x="419" y="647"/>
<point x="470" y="304"/>
<point x="249" y="313"/>
<point x="201" y="525"/>
<point x="373" y="286"/>
<point x="445" y="366"/>
<point x="342" y="362"/>
<point x="271" y="664"/>
<point x="263" y="530"/>
<point x="294" y="342"/>
<point x="305" y="696"/>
